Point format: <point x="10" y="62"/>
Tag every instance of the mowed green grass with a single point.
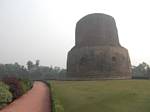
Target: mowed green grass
<point x="103" y="96"/>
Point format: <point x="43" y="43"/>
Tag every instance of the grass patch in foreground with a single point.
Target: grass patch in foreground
<point x="102" y="96"/>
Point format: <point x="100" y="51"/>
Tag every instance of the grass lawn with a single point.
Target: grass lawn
<point x="102" y="96"/>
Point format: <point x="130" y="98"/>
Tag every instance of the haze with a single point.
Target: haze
<point x="44" y="29"/>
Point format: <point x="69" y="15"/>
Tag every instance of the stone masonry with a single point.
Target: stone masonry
<point x="97" y="53"/>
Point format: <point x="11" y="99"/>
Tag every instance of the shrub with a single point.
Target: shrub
<point x="14" y="86"/>
<point x="11" y="88"/>
<point x="26" y="85"/>
<point x="5" y="95"/>
<point x="56" y="105"/>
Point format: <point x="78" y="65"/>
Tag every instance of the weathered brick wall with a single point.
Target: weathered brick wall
<point x="97" y="53"/>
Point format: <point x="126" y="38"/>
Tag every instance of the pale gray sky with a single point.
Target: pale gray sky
<point x="44" y="29"/>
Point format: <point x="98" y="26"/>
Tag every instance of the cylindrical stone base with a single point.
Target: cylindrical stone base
<point x="98" y="62"/>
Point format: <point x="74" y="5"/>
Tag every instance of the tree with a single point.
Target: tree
<point x="30" y="65"/>
<point x="142" y="70"/>
<point x="37" y="63"/>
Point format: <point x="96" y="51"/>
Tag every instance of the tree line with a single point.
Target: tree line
<point x="32" y="71"/>
<point x="36" y="72"/>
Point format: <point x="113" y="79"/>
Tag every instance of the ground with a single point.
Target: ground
<point x="102" y="96"/>
<point x="37" y="99"/>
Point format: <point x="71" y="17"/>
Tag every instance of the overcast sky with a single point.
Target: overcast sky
<point x="45" y="29"/>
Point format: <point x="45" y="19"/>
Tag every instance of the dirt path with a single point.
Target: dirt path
<point x="35" y="100"/>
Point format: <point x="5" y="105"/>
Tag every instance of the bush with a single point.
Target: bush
<point x="11" y="88"/>
<point x="5" y="95"/>
<point x="14" y="86"/>
<point x="26" y="85"/>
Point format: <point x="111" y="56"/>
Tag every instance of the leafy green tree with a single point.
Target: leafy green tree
<point x="142" y="70"/>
